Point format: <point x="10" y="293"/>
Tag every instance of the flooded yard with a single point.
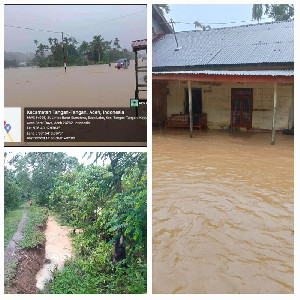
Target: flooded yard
<point x="81" y="86"/>
<point x="222" y="212"/>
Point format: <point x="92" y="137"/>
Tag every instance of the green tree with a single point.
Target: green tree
<point x="278" y="12"/>
<point x="42" y="168"/>
<point x="96" y="47"/>
<point x="202" y="27"/>
<point x="164" y="8"/>
<point x="126" y="202"/>
<point x="117" y="44"/>
<point x="12" y="189"/>
<point x="40" y="58"/>
<point x="84" y="47"/>
<point x="257" y="12"/>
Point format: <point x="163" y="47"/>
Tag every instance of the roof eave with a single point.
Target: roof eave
<point x="223" y="78"/>
<point x="288" y="65"/>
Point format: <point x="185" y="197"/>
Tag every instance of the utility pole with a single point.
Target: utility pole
<point x="65" y="62"/>
<point x="172" y="23"/>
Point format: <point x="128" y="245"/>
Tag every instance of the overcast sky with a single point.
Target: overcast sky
<point x="127" y="22"/>
<point x="211" y="14"/>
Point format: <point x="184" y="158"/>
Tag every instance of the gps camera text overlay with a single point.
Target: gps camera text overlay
<point x="65" y="124"/>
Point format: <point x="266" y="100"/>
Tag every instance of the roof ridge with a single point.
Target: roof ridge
<point x="245" y="25"/>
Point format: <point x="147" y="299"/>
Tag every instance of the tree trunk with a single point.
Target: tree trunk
<point x="119" y="252"/>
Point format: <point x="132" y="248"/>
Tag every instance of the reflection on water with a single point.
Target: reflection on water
<point x="222" y="212"/>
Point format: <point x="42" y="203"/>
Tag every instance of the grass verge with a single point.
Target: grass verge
<point x="10" y="271"/>
<point x="95" y="274"/>
<point x="11" y="222"/>
<point x="36" y="217"/>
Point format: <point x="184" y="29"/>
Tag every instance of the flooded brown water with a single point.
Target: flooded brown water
<point x="222" y="212"/>
<point x="57" y="249"/>
<point x="81" y="86"/>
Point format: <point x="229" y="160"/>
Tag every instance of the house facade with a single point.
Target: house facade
<point x="237" y="76"/>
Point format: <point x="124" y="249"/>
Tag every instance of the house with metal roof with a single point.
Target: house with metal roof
<point x="240" y="77"/>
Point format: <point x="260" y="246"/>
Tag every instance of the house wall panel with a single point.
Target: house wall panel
<point x="216" y="102"/>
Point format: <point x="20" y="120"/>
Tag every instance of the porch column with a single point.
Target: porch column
<point x="274" y="114"/>
<point x="190" y="108"/>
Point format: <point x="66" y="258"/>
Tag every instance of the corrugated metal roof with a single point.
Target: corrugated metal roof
<point x="139" y="45"/>
<point x="248" y="44"/>
<point x="245" y="73"/>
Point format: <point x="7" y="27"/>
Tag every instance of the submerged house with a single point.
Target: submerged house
<point x="231" y="77"/>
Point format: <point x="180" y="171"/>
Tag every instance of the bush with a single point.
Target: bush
<point x="36" y="217"/>
<point x="97" y="275"/>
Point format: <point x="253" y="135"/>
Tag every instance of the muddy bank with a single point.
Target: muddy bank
<point x="223" y="206"/>
<point x="29" y="262"/>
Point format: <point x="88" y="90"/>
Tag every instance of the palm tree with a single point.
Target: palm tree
<point x="116" y="44"/>
<point x="97" y="43"/>
<point x="197" y="24"/>
<point x="203" y="27"/>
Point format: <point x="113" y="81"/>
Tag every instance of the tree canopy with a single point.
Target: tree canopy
<point x="164" y="8"/>
<point x="97" y="51"/>
<point x="278" y="12"/>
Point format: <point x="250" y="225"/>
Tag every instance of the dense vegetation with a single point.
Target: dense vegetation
<point x="278" y="12"/>
<point x="97" y="51"/>
<point x="108" y="204"/>
<point x="33" y="235"/>
<point x="10" y="63"/>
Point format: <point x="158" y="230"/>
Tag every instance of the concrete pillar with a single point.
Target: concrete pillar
<point x="190" y="108"/>
<point x="274" y="114"/>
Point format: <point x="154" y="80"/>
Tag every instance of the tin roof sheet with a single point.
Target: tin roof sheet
<point x="248" y="44"/>
<point x="139" y="44"/>
<point x="243" y="73"/>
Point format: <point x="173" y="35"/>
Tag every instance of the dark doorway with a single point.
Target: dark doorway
<point x="196" y="101"/>
<point x="159" y="102"/>
<point x="241" y="107"/>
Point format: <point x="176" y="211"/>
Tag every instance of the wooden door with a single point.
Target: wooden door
<point x="241" y="107"/>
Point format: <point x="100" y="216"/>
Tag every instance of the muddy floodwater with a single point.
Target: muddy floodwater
<point x="81" y="86"/>
<point x="223" y="206"/>
<point x="57" y="249"/>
